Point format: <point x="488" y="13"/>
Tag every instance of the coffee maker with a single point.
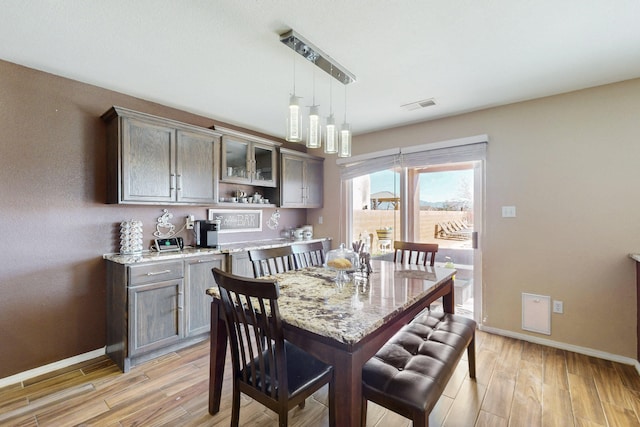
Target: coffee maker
<point x="207" y="233"/>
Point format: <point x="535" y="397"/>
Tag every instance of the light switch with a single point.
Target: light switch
<point x="508" y="211"/>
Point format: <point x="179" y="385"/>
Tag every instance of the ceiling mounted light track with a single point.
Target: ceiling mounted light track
<point x="311" y="53"/>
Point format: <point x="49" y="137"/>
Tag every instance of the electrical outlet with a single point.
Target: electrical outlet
<point x="189" y="222"/>
<point x="558" y="307"/>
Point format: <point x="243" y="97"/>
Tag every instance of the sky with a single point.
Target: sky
<point x="434" y="186"/>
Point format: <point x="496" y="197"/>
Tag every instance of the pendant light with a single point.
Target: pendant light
<point x="314" y="131"/>
<point x="344" y="148"/>
<point x="331" y="131"/>
<point x="294" y="118"/>
<point x="335" y="141"/>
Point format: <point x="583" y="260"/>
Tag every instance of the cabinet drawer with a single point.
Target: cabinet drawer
<point x="148" y="273"/>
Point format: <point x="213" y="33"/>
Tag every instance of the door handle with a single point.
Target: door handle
<point x="474" y="240"/>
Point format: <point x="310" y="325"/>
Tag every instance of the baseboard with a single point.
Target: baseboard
<point x="17" y="378"/>
<point x="563" y="346"/>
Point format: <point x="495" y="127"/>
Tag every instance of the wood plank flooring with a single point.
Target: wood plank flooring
<point x="518" y="384"/>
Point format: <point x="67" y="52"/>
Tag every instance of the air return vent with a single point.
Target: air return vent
<point x="419" y="104"/>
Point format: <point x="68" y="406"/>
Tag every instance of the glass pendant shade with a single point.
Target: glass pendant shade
<point x="331" y="136"/>
<point x="344" y="148"/>
<point x="314" y="131"/>
<point x="294" y="120"/>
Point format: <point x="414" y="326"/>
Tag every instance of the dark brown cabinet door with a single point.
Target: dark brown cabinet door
<point x="198" y="279"/>
<point x="148" y="159"/>
<point x="314" y="175"/>
<point x="153" y="160"/>
<point x="301" y="185"/>
<point x="292" y="185"/>
<point x="197" y="167"/>
<point x="156" y="312"/>
<point x="240" y="265"/>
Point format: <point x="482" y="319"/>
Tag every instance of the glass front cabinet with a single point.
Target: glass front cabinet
<point x="248" y="159"/>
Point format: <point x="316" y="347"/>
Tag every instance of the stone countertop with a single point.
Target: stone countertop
<point x="188" y="251"/>
<point x="311" y="300"/>
<point x="635" y="257"/>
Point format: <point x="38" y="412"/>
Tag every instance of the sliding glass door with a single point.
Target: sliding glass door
<point x="433" y="196"/>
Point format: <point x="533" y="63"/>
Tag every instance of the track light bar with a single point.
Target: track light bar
<point x="311" y="53"/>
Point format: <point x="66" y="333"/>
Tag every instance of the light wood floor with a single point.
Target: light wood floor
<point x="518" y="384"/>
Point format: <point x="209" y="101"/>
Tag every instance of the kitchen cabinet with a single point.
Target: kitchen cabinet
<point x="240" y="264"/>
<point x="198" y="279"/>
<point x="248" y="159"/>
<point x="301" y="181"/>
<point x="154" y="160"/>
<point x="157" y="307"/>
<point x="155" y="315"/>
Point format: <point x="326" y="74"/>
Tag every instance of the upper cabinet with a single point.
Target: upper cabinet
<point x="155" y="160"/>
<point x="301" y="182"/>
<point x="248" y="159"/>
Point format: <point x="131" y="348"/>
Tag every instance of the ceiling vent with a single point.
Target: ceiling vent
<point x="418" y="104"/>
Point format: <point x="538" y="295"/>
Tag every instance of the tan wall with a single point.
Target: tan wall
<point x="569" y="164"/>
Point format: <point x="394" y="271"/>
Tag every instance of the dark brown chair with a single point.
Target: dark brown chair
<point x="414" y="253"/>
<point x="308" y="254"/>
<point x="266" y="367"/>
<point x="271" y="260"/>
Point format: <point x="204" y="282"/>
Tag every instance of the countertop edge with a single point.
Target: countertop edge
<point x="191" y="252"/>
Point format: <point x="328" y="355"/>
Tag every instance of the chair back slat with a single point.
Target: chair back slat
<point x="307" y="254"/>
<point x="255" y="334"/>
<point x="270" y="261"/>
<point x="414" y="253"/>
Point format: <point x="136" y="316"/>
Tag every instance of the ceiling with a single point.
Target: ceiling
<point x="223" y="59"/>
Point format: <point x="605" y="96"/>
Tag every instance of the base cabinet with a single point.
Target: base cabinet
<point x="157" y="307"/>
<point x="155" y="316"/>
<point x="240" y="264"/>
<point x="198" y="279"/>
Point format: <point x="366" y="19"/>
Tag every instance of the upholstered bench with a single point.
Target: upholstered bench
<point x="411" y="370"/>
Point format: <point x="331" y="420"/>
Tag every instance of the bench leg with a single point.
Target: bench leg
<point x="471" y="355"/>
<point x="363" y="412"/>
<point x="421" y="419"/>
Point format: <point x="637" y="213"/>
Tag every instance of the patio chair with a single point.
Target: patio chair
<point x="445" y="231"/>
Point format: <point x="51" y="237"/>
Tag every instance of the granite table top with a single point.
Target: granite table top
<point x="311" y="300"/>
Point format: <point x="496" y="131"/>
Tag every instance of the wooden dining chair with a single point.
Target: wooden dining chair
<point x="271" y="260"/>
<point x="307" y="254"/>
<point x="414" y="253"/>
<point x="266" y="367"/>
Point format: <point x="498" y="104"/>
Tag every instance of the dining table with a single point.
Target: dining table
<point x="342" y="323"/>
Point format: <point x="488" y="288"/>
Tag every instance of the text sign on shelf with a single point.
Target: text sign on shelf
<point x="237" y="221"/>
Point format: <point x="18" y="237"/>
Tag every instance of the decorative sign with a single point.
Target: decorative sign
<point x="237" y="221"/>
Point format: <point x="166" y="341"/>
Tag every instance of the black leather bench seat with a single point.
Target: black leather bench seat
<point x="411" y="370"/>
